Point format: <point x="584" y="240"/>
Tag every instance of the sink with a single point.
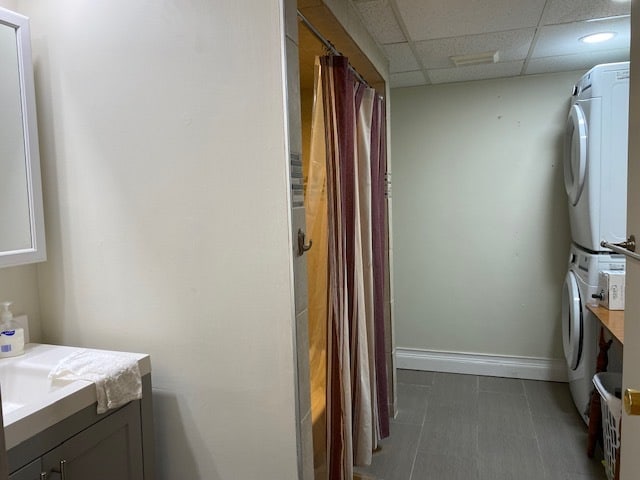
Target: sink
<point x="29" y="399"/>
<point x="31" y="402"/>
<point x="22" y="385"/>
<point x="24" y="379"/>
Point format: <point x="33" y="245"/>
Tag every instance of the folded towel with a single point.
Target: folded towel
<point x="117" y="377"/>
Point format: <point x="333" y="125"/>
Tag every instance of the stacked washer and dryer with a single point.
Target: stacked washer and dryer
<point x="595" y="177"/>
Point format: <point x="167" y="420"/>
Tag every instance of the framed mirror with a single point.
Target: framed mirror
<point x="22" y="237"/>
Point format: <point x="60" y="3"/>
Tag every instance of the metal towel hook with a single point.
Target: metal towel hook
<point x="302" y="246"/>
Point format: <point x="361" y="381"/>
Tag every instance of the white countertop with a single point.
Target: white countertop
<point x="31" y="403"/>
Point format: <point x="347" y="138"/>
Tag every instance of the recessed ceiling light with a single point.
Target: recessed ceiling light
<point x="598" y="37"/>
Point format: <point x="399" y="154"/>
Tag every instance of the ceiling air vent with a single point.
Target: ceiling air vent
<point x="475" y="59"/>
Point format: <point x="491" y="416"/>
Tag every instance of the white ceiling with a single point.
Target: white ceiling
<point x="531" y="36"/>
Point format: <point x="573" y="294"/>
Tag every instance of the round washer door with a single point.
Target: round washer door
<point x="575" y="153"/>
<point x="571" y="321"/>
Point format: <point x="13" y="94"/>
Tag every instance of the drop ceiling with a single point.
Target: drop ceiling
<point x="420" y="37"/>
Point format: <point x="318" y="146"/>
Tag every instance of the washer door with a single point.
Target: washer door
<point x="575" y="154"/>
<point x="571" y="321"/>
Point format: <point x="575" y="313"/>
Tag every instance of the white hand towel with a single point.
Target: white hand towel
<point x="117" y="377"/>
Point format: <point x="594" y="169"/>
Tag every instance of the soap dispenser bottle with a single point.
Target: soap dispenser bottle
<point x="11" y="334"/>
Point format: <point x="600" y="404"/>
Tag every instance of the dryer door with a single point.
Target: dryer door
<point x="575" y="153"/>
<point x="571" y="321"/>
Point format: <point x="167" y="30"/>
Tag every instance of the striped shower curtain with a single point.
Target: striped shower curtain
<point x="345" y="193"/>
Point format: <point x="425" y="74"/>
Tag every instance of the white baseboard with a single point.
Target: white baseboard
<point x="529" y="368"/>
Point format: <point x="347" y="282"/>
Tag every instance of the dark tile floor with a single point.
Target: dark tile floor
<point x="466" y="427"/>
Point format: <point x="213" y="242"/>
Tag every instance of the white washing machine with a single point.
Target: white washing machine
<point x="595" y="157"/>
<point x="579" y="326"/>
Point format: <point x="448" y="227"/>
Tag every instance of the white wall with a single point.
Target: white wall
<point x="166" y="205"/>
<point x="20" y="286"/>
<point x="481" y="231"/>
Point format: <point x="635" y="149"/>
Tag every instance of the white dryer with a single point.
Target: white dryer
<point x="579" y="326"/>
<point x="595" y="157"/>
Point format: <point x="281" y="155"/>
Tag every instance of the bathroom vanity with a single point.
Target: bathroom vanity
<point x="54" y="433"/>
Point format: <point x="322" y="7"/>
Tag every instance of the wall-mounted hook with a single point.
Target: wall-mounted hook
<point x="302" y="246"/>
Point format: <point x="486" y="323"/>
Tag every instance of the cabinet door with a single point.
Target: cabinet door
<point x="31" y="471"/>
<point x="110" y="449"/>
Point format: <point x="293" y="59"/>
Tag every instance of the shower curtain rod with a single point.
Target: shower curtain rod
<point x="330" y="46"/>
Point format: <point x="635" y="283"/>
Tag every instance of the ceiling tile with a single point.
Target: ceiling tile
<point x="407" y="79"/>
<point x="380" y="21"/>
<point x="566" y="11"/>
<point x="512" y="45"/>
<point x="563" y="39"/>
<point x="578" y="61"/>
<point x="475" y="72"/>
<point x="430" y="19"/>
<point x="401" y="58"/>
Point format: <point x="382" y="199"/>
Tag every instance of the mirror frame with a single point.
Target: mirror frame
<point x="37" y="251"/>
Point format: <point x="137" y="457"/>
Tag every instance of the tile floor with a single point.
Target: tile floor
<point x="466" y="427"/>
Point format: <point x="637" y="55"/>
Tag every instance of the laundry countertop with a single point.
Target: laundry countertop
<point x="613" y="320"/>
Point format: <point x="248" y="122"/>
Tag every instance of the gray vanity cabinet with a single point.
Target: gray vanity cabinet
<point x="110" y="449"/>
<point x="31" y="471"/>
<point x="116" y="445"/>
